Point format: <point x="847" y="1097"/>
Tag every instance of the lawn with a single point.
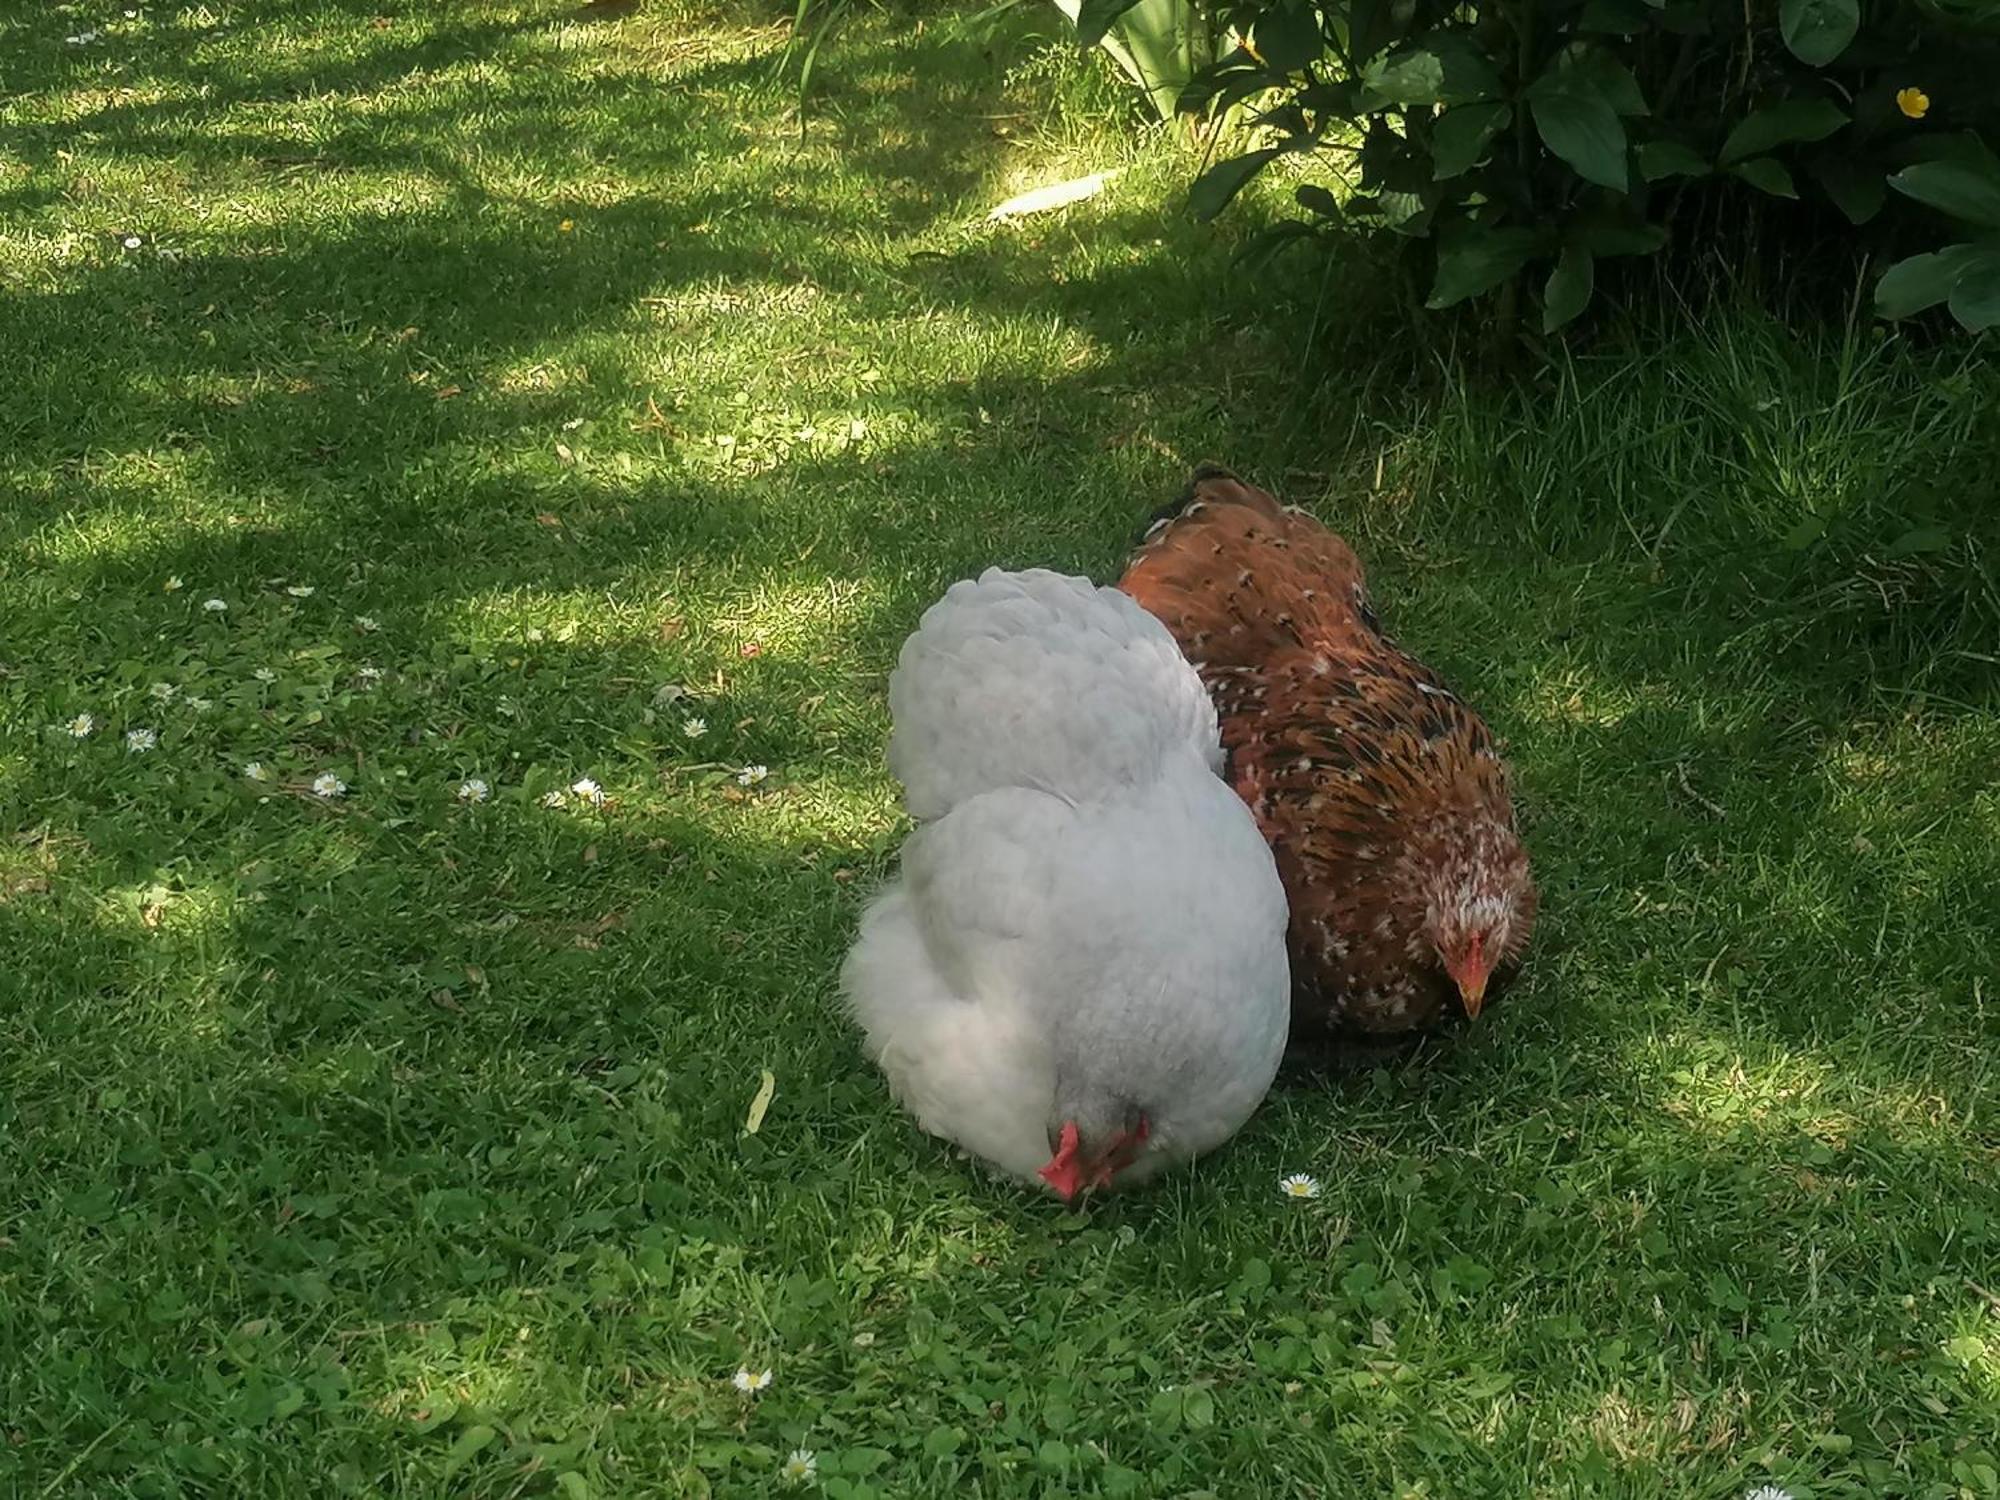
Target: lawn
<point x="411" y="402"/>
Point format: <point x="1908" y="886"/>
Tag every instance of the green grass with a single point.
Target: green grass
<point x="393" y="1145"/>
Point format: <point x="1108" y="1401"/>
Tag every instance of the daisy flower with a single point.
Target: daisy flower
<point x="1769" y="1492"/>
<point x="694" y="729"/>
<point x="215" y="606"/>
<point x="255" y="771"/>
<point x="751" y="775"/>
<point x="366" y="624"/>
<point x="588" y="790"/>
<point x="200" y="705"/>
<point x="369" y="677"/>
<point x="133" y="242"/>
<point x="552" y="799"/>
<point x="1299" y="1185"/>
<point x="799" y="1467"/>
<point x="750" y="1384"/>
<point x="265" y="674"/>
<point x="139" y="740"/>
<point x="474" y="790"/>
<point x="80" y="727"/>
<point x="326" y="784"/>
<point x="300" y="590"/>
<point x="164" y="691"/>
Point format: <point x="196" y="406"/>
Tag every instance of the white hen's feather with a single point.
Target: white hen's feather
<point x="1087" y="919"/>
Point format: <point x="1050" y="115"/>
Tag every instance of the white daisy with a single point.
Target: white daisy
<point x="1769" y="1492"/>
<point x="694" y="729"/>
<point x="799" y="1467"/>
<point x="300" y="590"/>
<point x="588" y="790"/>
<point x="552" y="799"/>
<point x="369" y="677"/>
<point x="535" y="634"/>
<point x="215" y="606"/>
<point x="133" y="242"/>
<point x="748" y="1383"/>
<point x="326" y="784"/>
<point x="199" y="705"/>
<point x="751" y="775"/>
<point x="140" y="740"/>
<point x="366" y="624"/>
<point x="80" y="727"/>
<point x="474" y="790"/>
<point x="166" y="692"/>
<point x="255" y="771"/>
<point x="1299" y="1185"/>
<point x="173" y="585"/>
<point x="265" y="674"/>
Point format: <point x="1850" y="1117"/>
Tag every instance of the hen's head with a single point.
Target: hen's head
<point x="1479" y="900"/>
<point x="1093" y="1153"/>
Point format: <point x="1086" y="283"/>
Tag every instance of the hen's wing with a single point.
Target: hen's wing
<point x="1238" y="578"/>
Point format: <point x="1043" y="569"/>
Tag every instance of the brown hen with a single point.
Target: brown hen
<point x="1377" y="786"/>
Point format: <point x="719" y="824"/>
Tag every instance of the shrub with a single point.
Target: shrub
<point x="1542" y="136"/>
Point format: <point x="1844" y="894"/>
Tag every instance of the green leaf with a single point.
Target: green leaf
<point x="1412" y="76"/>
<point x="1569" y="287"/>
<point x="1447" y="69"/>
<point x="1095" y="17"/>
<point x="1857" y="188"/>
<point x="1615" y="17"/>
<point x="1921" y="281"/>
<point x="1287" y="36"/>
<point x="468" y="1446"/>
<point x="1461" y="136"/>
<point x="1473" y="258"/>
<point x="1582" y="128"/>
<point x="1317" y="200"/>
<point x="943" y="1442"/>
<point x="1975" y="300"/>
<point x="1963" y="188"/>
<point x="1766" y="173"/>
<point x="1212" y="190"/>
<point x="1593" y="70"/>
<point x="1779" y="124"/>
<point x="1663" y="159"/>
<point x="1919" y="539"/>
<point x="1818" y="31"/>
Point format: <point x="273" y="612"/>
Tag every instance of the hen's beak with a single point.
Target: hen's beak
<point x="1472" y="990"/>
<point x="1064" y="1171"/>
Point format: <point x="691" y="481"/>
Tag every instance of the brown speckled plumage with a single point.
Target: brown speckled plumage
<point x="1378" y="787"/>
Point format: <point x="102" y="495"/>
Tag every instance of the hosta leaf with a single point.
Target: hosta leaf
<point x="1975" y="300"/>
<point x="1964" y="188"/>
<point x="1095" y="17"/>
<point x="1857" y="188"/>
<point x="1223" y="181"/>
<point x="1473" y="258"/>
<point x="1287" y="36"/>
<point x="1569" y="287"/>
<point x="1584" y="130"/>
<point x="1663" y="159"/>
<point x="1921" y="281"/>
<point x="1763" y="172"/>
<point x="1462" y="134"/>
<point x="1779" y="124"/>
<point x="1818" y="31"/>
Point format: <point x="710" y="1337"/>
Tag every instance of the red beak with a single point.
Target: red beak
<point x="1064" y="1171"/>
<point x="1472" y="976"/>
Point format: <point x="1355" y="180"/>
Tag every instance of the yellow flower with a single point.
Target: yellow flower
<point x="568" y="224"/>
<point x="1913" y="102"/>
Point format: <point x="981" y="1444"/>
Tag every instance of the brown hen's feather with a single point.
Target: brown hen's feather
<point x="1378" y="787"/>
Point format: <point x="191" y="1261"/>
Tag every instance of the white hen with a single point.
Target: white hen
<point x="1081" y="972"/>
